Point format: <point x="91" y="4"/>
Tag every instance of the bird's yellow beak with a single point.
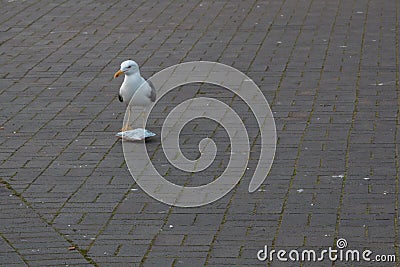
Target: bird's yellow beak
<point x="118" y="73"/>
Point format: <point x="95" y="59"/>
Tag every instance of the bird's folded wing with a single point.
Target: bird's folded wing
<point x="152" y="95"/>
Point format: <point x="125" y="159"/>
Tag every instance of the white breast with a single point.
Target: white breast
<point x="135" y="85"/>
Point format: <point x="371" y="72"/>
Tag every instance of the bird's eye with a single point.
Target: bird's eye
<point x="129" y="67"/>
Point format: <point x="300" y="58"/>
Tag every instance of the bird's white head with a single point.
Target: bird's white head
<point x="128" y="67"/>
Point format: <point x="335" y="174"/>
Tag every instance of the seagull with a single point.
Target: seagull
<point x="133" y="82"/>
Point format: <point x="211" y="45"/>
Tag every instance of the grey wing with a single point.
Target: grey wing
<point x="152" y="92"/>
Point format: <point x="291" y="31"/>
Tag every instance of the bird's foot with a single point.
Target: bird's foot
<point x="126" y="128"/>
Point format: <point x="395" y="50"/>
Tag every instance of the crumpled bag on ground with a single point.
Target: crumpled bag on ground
<point x="138" y="134"/>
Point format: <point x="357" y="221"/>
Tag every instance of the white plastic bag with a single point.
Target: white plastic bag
<point x="138" y="134"/>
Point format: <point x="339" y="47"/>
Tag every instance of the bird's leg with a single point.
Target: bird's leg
<point x="126" y="127"/>
<point x="144" y="118"/>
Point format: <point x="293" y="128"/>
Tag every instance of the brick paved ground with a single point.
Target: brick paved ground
<point x="329" y="69"/>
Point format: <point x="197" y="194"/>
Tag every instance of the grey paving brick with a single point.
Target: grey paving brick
<point x="329" y="70"/>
